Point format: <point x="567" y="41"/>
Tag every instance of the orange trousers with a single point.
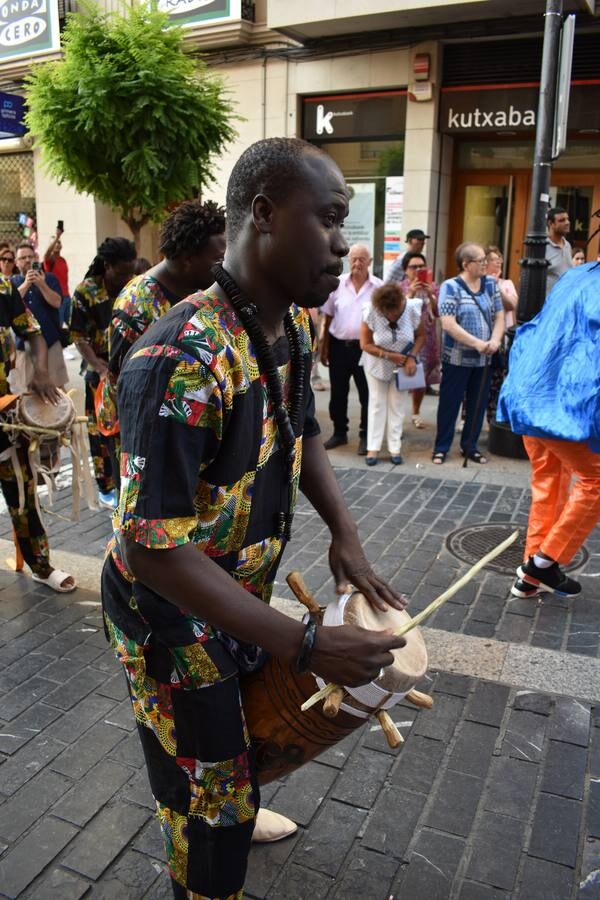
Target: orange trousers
<point x="561" y="514"/>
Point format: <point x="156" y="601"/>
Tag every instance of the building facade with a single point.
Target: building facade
<point x="429" y="109"/>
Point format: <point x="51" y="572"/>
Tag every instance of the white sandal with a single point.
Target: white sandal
<point x="418" y="422"/>
<point x="55" y="581"/>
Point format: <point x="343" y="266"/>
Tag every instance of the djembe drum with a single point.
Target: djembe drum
<point x="44" y="418"/>
<point x="284" y="737"/>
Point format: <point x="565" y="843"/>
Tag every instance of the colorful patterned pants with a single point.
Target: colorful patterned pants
<point x="187" y="705"/>
<point x="101" y="447"/>
<point x="28" y="527"/>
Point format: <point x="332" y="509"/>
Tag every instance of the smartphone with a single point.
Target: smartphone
<point x="424" y="276"/>
<point x="36" y="266"/>
<point x="60" y="225"/>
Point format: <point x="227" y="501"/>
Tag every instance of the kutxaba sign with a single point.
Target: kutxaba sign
<point x="28" y="27"/>
<point x="189" y="12"/>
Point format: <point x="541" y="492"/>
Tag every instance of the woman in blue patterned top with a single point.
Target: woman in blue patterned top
<point x="473" y="326"/>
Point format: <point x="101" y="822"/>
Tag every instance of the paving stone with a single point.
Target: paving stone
<point x="547" y="641"/>
<point x="440" y="726"/>
<point x="26" y="727"/>
<point x="542" y="880"/>
<point x="31" y="664"/>
<point x="331" y="837"/>
<point x="524" y="738"/>
<point x="75" y="689"/>
<point x="496" y="850"/>
<point x="432" y="865"/>
<point x="593" y="823"/>
<point x="471" y="890"/>
<point x="365" y="874"/>
<point x="115" y="687"/>
<point x="298" y="883"/>
<point x="27" y="762"/>
<point x="564" y="770"/>
<point x="450" y="617"/>
<point x="79" y="805"/>
<point x="87" y="750"/>
<point x="24" y="696"/>
<point x="303" y="792"/>
<point x="30" y="802"/>
<point x="510" y="787"/>
<point x="361" y="779"/>
<point x="448" y="683"/>
<point x="59" y="884"/>
<point x="129" y="751"/>
<point x="104" y="838"/>
<point x="473" y="749"/>
<point x="150" y="841"/>
<point x="479" y="629"/>
<point x="455" y="804"/>
<point x="62" y="670"/>
<point x="589" y="874"/>
<point x="514" y="629"/>
<point x="375" y="739"/>
<point x="73" y="724"/>
<point x="570" y="722"/>
<point x="21" y="624"/>
<point x="339" y="753"/>
<point x="138" y="791"/>
<point x="555" y="832"/>
<point x="128" y="878"/>
<point x="533" y="702"/>
<point x="161" y="889"/>
<point x="24" y="862"/>
<point x="122" y="715"/>
<point x="488" y="609"/>
<point x="265" y="864"/>
<point x="391" y="825"/>
<point x="419" y="764"/>
<point x="487" y="703"/>
<point x="522" y="606"/>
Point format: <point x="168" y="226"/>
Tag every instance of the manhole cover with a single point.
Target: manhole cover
<point x="472" y="542"/>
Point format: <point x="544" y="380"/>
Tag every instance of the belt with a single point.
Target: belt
<point x="346" y="343"/>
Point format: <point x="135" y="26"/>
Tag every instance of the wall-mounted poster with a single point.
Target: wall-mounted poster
<point x="27" y="28"/>
<point x="359" y="226"/>
<point x="392" y="227"/>
<point x="191" y="12"/>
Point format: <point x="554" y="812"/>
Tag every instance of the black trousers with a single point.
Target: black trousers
<point x="343" y="365"/>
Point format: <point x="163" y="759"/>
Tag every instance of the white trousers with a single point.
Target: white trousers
<point x="386" y="403"/>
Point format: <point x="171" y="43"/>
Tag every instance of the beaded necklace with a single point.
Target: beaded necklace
<point x="288" y="422"/>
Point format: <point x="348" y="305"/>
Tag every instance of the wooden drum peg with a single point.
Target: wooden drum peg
<point x="418" y="698"/>
<point x="331" y="706"/>
<point x="393" y="736"/>
<point x="301" y="592"/>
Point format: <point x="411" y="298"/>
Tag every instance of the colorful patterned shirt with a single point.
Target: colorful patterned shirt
<point x="473" y="312"/>
<point x="201" y="460"/>
<point x="13" y="314"/>
<point x="140" y="303"/>
<point x="91" y="315"/>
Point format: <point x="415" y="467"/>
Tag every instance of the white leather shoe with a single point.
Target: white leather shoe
<point x="271" y="826"/>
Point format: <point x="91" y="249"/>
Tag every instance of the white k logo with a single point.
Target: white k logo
<point x="324" y="120"/>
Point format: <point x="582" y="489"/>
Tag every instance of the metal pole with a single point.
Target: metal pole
<point x="532" y="288"/>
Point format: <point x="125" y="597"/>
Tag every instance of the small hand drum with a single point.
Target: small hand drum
<point x="31" y="410"/>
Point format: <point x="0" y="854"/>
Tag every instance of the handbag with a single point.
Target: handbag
<point x="414" y="382"/>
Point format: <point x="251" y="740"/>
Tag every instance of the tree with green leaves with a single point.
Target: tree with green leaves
<point x="128" y="115"/>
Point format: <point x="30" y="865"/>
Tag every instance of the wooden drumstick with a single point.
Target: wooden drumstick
<point x="332" y="704"/>
<point x="389" y="728"/>
<point x="429" y="610"/>
<point x="302" y="593"/>
<point x="418" y="698"/>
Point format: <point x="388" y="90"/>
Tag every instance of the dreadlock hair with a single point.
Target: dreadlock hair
<point x="189" y="228"/>
<point x="272" y="167"/>
<point x="110" y="252"/>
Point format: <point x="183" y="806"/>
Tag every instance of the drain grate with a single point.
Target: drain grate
<point x="472" y="542"/>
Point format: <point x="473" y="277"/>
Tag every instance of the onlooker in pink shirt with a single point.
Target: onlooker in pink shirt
<point x="340" y="347"/>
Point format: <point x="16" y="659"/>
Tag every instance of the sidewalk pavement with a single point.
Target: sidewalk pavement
<point x="495" y="793"/>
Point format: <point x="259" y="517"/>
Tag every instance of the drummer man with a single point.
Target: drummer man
<point x="29" y="531"/>
<point x="205" y="467"/>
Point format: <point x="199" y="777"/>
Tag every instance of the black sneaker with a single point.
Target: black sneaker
<point x="551" y="579"/>
<point x="521" y="589"/>
<point x="362" y="446"/>
<point x="336" y="440"/>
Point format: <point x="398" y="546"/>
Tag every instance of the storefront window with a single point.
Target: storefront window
<point x="17" y="197"/>
<point x="519" y="155"/>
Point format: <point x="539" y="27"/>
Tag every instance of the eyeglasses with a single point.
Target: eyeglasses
<point x="7" y="259"/>
<point x="415" y="266"/>
<point x="480" y="260"/>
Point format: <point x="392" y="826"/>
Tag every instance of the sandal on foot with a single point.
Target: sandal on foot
<point x="438" y="458"/>
<point x="476" y="457"/>
<point x="56" y="580"/>
<point x="418" y="422"/>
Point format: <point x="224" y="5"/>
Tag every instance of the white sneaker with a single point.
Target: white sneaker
<point x="108" y="500"/>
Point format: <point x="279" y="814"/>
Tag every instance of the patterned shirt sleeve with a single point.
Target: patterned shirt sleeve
<point x="132" y="317"/>
<point x="447" y="299"/>
<point x="22" y="320"/>
<point x="166" y="443"/>
<point x="80" y="325"/>
<point x="497" y="300"/>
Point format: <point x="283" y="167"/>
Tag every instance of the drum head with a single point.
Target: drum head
<point x="33" y="411"/>
<point x="410" y="662"/>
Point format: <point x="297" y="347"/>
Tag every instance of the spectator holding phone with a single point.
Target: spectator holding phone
<point x="42" y="296"/>
<point x="55" y="264"/>
<point x="417" y="285"/>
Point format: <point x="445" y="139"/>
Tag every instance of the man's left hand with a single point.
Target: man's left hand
<point x="41" y="384"/>
<point x="351" y="567"/>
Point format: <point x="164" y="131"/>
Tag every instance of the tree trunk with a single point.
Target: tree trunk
<point x="135" y="223"/>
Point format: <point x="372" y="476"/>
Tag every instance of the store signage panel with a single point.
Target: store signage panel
<point x="28" y="27"/>
<point x="354" y="116"/>
<point x="205" y="12"/>
<point x="510" y="109"/>
<point x="12" y="115"/>
<point x="359" y="224"/>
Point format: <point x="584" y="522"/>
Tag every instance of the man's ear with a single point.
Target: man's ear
<point x="262" y="213"/>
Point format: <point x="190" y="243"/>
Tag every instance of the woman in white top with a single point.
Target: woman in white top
<point x="391" y="335"/>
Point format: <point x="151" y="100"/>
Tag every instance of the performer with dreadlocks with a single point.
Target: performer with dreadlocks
<point x="93" y="301"/>
<point x="218" y="433"/>
<point x="552" y="397"/>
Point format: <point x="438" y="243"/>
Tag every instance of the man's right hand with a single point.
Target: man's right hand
<point x="352" y="656"/>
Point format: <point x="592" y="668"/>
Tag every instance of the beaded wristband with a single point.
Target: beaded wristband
<point x="307" y="646"/>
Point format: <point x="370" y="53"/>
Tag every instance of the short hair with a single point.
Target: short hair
<point x="411" y="255"/>
<point x="492" y="248"/>
<point x="24" y="245"/>
<point x="387" y="298"/>
<point x="553" y="212"/>
<point x="271" y="167"/>
<point x="110" y="252"/>
<point x="462" y="254"/>
<point x="189" y="228"/>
